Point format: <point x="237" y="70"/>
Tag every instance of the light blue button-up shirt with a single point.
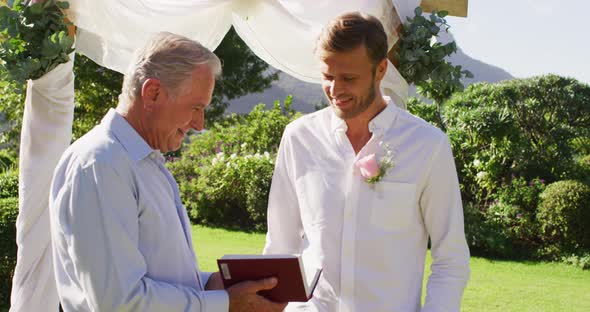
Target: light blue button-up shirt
<point x="120" y="234"/>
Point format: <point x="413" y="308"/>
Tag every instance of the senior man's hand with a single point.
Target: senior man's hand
<point x="214" y="282"/>
<point x="244" y="297"/>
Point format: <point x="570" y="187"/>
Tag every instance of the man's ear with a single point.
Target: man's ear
<point x="381" y="69"/>
<point x="150" y="91"/>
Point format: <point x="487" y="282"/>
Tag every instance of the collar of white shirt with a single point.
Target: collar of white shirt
<point x="377" y="125"/>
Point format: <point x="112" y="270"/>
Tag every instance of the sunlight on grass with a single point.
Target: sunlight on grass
<point x="210" y="244"/>
<point x="494" y="285"/>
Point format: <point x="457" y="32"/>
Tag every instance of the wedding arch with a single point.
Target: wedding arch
<point x="280" y="32"/>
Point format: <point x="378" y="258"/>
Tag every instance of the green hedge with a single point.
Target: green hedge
<point x="7" y="159"/>
<point x="9" y="183"/>
<point x="225" y="173"/>
<point x="510" y="140"/>
<point x="232" y="192"/>
<point x="564" y="215"/>
<point x="8" y="214"/>
<point x="523" y="127"/>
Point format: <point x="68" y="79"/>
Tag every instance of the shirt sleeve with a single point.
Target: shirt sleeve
<point x="443" y="216"/>
<point x="285" y="230"/>
<point x="97" y="218"/>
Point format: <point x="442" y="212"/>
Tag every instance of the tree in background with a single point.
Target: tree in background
<point x="243" y="73"/>
<point x="96" y="90"/>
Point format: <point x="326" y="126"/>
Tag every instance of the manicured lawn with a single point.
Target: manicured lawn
<point x="494" y="285"/>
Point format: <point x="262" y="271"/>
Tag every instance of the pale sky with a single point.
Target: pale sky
<point x="528" y="37"/>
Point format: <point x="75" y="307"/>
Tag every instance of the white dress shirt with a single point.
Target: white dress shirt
<point x="121" y="237"/>
<point x="370" y="240"/>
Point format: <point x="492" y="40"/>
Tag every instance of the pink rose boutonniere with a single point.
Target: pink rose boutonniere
<point x="373" y="170"/>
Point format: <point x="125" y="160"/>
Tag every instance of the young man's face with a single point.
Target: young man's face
<point x="349" y="81"/>
<point x="173" y="117"/>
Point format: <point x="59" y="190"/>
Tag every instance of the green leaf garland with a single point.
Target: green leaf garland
<point x="33" y="40"/>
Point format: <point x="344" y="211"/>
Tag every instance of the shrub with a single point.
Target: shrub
<point x="581" y="260"/>
<point x="564" y="216"/>
<point x="11" y="111"/>
<point x="521" y="127"/>
<point x="521" y="194"/>
<point x="514" y="215"/>
<point x="224" y="174"/>
<point x="483" y="237"/>
<point x="516" y="226"/>
<point x="7" y="160"/>
<point x="428" y="112"/>
<point x="8" y="213"/>
<point x="583" y="169"/>
<point x="9" y="184"/>
<point x="231" y="192"/>
<point x="260" y="129"/>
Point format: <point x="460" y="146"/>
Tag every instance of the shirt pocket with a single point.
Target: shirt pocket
<point x="394" y="205"/>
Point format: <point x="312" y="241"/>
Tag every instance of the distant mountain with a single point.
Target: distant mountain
<point x="483" y="72"/>
<point x="307" y="95"/>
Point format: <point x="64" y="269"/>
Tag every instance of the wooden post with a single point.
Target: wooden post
<point x="71" y="28"/>
<point x="397" y="30"/>
<point x="454" y="7"/>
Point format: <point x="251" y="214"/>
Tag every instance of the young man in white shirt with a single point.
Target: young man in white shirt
<point x="369" y="235"/>
<point x="120" y="234"/>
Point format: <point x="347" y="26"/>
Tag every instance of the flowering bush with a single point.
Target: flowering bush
<point x="224" y="174"/>
<point x="508" y="228"/>
<point x="521" y="127"/>
<point x="509" y="140"/>
<point x="485" y="238"/>
<point x="522" y="194"/>
<point x="232" y="191"/>
<point x="261" y="130"/>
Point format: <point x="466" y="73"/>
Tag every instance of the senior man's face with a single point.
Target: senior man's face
<point x="175" y="115"/>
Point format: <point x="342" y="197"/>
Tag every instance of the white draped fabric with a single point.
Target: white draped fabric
<point x="280" y="32"/>
<point x="46" y="133"/>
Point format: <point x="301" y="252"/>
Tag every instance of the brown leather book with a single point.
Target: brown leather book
<point x="294" y="282"/>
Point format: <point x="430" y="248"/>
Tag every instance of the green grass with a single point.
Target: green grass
<point x="494" y="285"/>
<point x="211" y="244"/>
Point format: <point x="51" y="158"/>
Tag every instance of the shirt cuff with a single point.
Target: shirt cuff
<point x="205" y="278"/>
<point x="215" y="301"/>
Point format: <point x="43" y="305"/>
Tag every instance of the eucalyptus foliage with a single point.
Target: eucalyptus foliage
<point x="34" y="40"/>
<point x="423" y="60"/>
